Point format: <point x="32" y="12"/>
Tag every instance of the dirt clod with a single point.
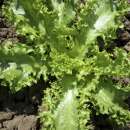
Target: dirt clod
<point x="18" y="111"/>
<point x="21" y="122"/>
<point x="6" y="116"/>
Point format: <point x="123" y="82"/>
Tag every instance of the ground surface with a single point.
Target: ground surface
<point x="19" y="111"/>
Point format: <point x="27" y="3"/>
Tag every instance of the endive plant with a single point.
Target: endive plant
<point x="63" y="38"/>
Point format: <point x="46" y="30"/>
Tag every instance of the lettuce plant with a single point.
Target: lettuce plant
<point x="62" y="43"/>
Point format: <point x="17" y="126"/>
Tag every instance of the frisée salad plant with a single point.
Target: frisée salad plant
<point x="62" y="42"/>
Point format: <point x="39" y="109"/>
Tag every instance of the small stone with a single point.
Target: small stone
<point x="3" y="32"/>
<point x="127" y="47"/>
<point x="126" y="81"/>
<point x="127" y="24"/>
<point x="125" y="36"/>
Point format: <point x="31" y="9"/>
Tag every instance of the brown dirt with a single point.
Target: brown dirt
<point x="19" y="111"/>
<point x="6" y="30"/>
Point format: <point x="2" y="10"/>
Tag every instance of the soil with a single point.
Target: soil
<point x="19" y="111"/>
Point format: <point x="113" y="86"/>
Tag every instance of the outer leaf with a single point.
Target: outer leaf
<point x="110" y="100"/>
<point x="66" y="117"/>
<point x="17" y="67"/>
